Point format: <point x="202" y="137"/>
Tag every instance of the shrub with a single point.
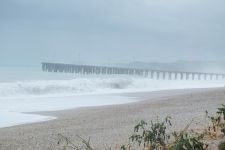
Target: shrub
<point x="221" y="111"/>
<point x="217" y="127"/>
<point x="184" y="141"/>
<point x="154" y="136"/>
<point x="222" y="146"/>
<point x="68" y="144"/>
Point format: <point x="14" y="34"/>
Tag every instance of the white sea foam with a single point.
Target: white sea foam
<point x="13" y="111"/>
<point x="35" y="91"/>
<point x="95" y="85"/>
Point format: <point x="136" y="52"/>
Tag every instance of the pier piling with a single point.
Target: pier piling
<point x="104" y="70"/>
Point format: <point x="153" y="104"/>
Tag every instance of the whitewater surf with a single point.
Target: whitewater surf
<point x="30" y="91"/>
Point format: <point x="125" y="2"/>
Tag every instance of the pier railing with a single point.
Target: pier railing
<point x="107" y="70"/>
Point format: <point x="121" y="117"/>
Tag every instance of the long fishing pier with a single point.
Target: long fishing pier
<point x="107" y="70"/>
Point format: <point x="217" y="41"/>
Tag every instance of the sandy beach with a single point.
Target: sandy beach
<point x="110" y="126"/>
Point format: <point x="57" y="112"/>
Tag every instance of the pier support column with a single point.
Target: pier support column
<point x="170" y="75"/>
<point x="164" y="75"/>
<point x="175" y="75"/>
<point x="84" y="70"/>
<point x="55" y="68"/>
<point x="132" y="72"/>
<point x="61" y="68"/>
<point x="187" y="76"/>
<point x="217" y="77"/>
<point x="181" y="76"/>
<point x="199" y="76"/>
<point x="211" y="76"/>
<point x="158" y="75"/>
<point x="113" y="71"/>
<point x="104" y="70"/>
<point x="43" y="67"/>
<point x="146" y="73"/>
<point x="205" y="76"/>
<point x="193" y="76"/>
<point x="152" y="74"/>
<point x="72" y="69"/>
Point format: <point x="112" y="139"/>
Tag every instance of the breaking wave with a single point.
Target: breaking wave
<point x="62" y="87"/>
<point x="93" y="85"/>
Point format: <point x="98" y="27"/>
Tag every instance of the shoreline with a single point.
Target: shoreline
<point x="111" y="125"/>
<point x="18" y="117"/>
<point x="139" y="97"/>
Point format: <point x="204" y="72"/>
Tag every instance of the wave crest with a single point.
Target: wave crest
<point x="80" y="86"/>
<point x="62" y="87"/>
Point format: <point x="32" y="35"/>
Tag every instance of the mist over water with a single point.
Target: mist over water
<point x="31" y="90"/>
<point x="35" y="83"/>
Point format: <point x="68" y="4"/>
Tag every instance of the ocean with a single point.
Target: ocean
<point x="24" y="90"/>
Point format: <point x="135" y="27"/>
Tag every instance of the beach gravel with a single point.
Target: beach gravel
<point x="110" y="126"/>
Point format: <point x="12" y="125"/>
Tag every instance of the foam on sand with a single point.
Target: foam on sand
<point x="13" y="111"/>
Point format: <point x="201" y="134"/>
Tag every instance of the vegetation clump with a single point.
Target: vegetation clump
<point x="222" y="146"/>
<point x="184" y="141"/>
<point x="217" y="127"/>
<point x="67" y="144"/>
<point x="154" y="136"/>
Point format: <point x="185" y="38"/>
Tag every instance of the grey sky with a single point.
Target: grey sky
<point x="101" y="31"/>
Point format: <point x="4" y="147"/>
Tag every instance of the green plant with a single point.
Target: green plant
<point x="222" y="146"/>
<point x="221" y="111"/>
<point x="123" y="147"/>
<point x="185" y="141"/>
<point x="154" y="136"/>
<point x="67" y="144"/>
<point x="217" y="126"/>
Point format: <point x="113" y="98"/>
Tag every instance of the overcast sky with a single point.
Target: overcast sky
<point x="102" y="31"/>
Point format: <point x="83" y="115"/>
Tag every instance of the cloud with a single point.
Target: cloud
<point x="100" y="30"/>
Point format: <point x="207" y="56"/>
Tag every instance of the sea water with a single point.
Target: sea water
<point x="24" y="90"/>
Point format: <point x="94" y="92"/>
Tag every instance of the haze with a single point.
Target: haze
<point x="110" y="31"/>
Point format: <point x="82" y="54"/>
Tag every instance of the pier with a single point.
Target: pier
<point x="108" y="70"/>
